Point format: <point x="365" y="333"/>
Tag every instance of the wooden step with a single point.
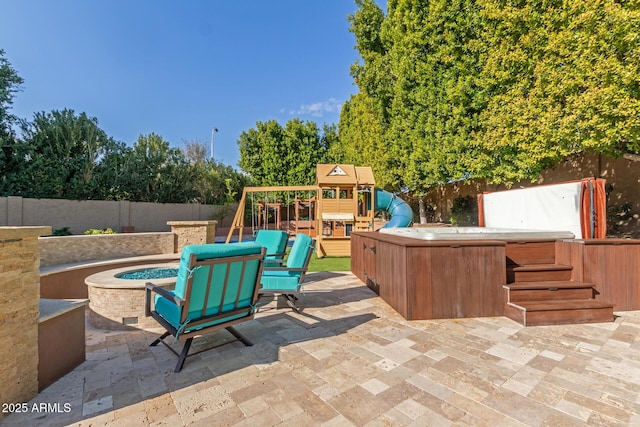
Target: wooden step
<point x="546" y="291"/>
<point x="559" y="312"/>
<point x="538" y="273"/>
<point x="526" y="253"/>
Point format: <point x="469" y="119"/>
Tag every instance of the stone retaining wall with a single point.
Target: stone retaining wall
<point x="71" y="249"/>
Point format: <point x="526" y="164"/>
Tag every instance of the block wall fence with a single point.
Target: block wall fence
<point x="120" y="216"/>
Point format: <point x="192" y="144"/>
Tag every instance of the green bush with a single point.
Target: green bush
<point x="99" y="231"/>
<point x="64" y="231"/>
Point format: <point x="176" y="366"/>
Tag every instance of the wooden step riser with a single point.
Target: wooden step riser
<point x="538" y="276"/>
<point x="531" y="253"/>
<point x="559" y="317"/>
<point x="520" y="295"/>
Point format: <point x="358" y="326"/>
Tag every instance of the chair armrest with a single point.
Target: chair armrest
<point x="283" y="269"/>
<point x="279" y="254"/>
<point x="149" y="288"/>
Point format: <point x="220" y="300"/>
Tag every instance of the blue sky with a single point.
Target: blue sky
<point x="181" y="68"/>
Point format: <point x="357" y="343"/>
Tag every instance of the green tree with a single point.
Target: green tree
<point x="364" y="118"/>
<point x="435" y="104"/>
<point x="276" y="155"/>
<point x="362" y="139"/>
<point x="10" y="84"/>
<point x="109" y="175"/>
<point x="562" y="79"/>
<point x="497" y="89"/>
<point x="155" y="172"/>
<point x="59" y="155"/>
<point x="214" y="182"/>
<point x="372" y="75"/>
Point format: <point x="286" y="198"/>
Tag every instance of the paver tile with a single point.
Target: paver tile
<point x="349" y="360"/>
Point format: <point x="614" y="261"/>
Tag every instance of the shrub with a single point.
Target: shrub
<point x="64" y="231"/>
<point x="99" y="231"/>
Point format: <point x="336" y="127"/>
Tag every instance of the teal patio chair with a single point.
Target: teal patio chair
<point x="217" y="287"/>
<point x="275" y="241"/>
<point x="288" y="280"/>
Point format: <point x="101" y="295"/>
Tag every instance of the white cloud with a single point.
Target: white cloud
<point x="317" y="109"/>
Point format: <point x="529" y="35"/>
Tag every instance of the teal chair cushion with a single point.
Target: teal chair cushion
<point x="274" y="241"/>
<point x="197" y="302"/>
<point x="280" y="281"/>
<point x="284" y="280"/>
<point x="299" y="250"/>
<point x="171" y="313"/>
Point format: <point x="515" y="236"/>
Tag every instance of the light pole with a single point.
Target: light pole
<point x="214" y="130"/>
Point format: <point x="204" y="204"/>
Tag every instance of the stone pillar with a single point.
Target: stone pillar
<point x="19" y="311"/>
<point x="192" y="233"/>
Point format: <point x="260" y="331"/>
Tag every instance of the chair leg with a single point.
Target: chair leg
<point x="239" y="336"/>
<point x="258" y="305"/>
<point x="291" y="302"/>
<point x="183" y="355"/>
<point x="159" y="340"/>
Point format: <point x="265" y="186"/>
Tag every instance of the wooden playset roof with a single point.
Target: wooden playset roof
<point x="335" y="174"/>
<point x="365" y="175"/>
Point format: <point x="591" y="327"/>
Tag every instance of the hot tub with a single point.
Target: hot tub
<point x="446" y="272"/>
<point x="475" y="233"/>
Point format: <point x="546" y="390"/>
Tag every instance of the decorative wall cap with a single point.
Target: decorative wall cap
<point x="22" y="232"/>
<point x="190" y="223"/>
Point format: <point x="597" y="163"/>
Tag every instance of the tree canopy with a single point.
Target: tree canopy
<point x="491" y="88"/>
<point x="275" y="155"/>
<point x="10" y="84"/>
<point x="62" y="154"/>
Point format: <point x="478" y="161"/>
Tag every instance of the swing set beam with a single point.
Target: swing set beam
<point x="238" y="219"/>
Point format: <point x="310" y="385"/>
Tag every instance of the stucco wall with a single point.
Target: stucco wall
<point x="86" y="214"/>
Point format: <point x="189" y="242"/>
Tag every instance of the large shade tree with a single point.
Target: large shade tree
<point x="10" y="84"/>
<point x="214" y="182"/>
<point x="153" y="171"/>
<point x="62" y="154"/>
<point x="275" y="155"/>
<point x="490" y="88"/>
<point x="58" y="156"/>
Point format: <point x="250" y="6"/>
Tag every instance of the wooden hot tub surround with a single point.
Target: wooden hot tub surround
<point x="534" y="282"/>
<point x="432" y="279"/>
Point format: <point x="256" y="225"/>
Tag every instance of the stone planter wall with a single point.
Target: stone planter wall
<point x="71" y="249"/>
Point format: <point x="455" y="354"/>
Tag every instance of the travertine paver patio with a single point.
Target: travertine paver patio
<point x="351" y="360"/>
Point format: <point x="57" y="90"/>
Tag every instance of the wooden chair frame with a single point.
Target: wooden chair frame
<point x="192" y="331"/>
<point x="290" y="296"/>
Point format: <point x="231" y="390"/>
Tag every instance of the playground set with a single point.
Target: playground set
<point x="344" y="200"/>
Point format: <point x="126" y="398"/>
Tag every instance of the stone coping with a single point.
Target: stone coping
<point x="53" y="269"/>
<point x="191" y="223"/>
<point x="50" y="308"/>
<point x="108" y="279"/>
<point x="21" y="232"/>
